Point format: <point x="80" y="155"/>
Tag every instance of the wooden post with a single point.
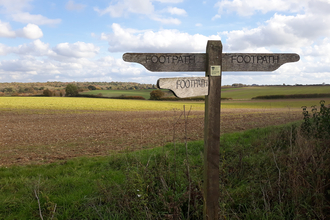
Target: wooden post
<point x="212" y="130"/>
<point x="213" y="63"/>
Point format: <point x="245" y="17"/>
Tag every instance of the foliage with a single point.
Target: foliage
<point x="129" y="97"/>
<point x="156" y="94"/>
<point x="280" y="175"/>
<point x="250" y="92"/>
<point x="238" y="85"/>
<point x="145" y="93"/>
<point x="8" y="90"/>
<point x="295" y="96"/>
<point x="56" y="85"/>
<point x="71" y="90"/>
<point x="47" y="92"/>
<point x="91" y="87"/>
<point x="317" y="125"/>
<point x="270" y="173"/>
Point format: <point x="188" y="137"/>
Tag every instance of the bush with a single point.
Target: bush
<point x="129" y="97"/>
<point x="91" y="87"/>
<point x="294" y="96"/>
<point x="317" y="125"/>
<point x="156" y="94"/>
<point x="8" y="90"/>
<point x="71" y="90"/>
<point x="47" y="92"/>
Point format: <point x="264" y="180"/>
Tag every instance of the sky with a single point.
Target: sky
<point x="83" y="40"/>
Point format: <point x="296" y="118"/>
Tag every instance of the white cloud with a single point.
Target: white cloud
<point x="35" y="48"/>
<point x="249" y="7"/>
<point x="170" y="1"/>
<point x="319" y="7"/>
<point x="167" y="20"/>
<point x="16" y="10"/>
<point x="198" y="25"/>
<point x="176" y="11"/>
<point x="63" y="52"/>
<point x="215" y="17"/>
<point x="36" y="70"/>
<point x="31" y="31"/>
<point x="124" y="40"/>
<point x="282" y="31"/>
<point x="144" y="7"/>
<point x="76" y="50"/>
<point x="25" y="17"/>
<point x="127" y="6"/>
<point x="5" y="30"/>
<point x="4" y="50"/>
<point x="72" y="6"/>
<point x="319" y="50"/>
<point x="12" y="6"/>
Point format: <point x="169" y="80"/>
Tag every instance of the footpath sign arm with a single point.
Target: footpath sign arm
<point x="168" y="62"/>
<point x="196" y="62"/>
<point x="184" y="87"/>
<point x="256" y="61"/>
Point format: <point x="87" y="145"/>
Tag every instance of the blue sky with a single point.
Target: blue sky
<point x="81" y="40"/>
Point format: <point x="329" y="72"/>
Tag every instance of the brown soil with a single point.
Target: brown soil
<point x="34" y="138"/>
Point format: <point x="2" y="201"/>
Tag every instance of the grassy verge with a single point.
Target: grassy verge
<point x="270" y="104"/>
<point x="270" y="173"/>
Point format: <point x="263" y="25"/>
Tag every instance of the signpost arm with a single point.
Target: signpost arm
<point x="212" y="130"/>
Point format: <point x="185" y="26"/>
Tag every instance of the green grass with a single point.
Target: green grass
<point x="250" y="92"/>
<point x="153" y="184"/>
<point x="145" y="93"/>
<point x="235" y="93"/>
<point x="270" y="104"/>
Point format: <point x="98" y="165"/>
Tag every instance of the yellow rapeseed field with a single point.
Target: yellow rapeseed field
<point x="99" y="104"/>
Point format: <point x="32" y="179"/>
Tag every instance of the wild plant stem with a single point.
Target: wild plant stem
<point x="187" y="159"/>
<point x="36" y="195"/>
<point x="175" y="159"/>
<point x="279" y="176"/>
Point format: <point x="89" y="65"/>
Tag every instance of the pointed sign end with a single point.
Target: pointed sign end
<point x="158" y="86"/>
<point x="296" y="57"/>
<point x="126" y="57"/>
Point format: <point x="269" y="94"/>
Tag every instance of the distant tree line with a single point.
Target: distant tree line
<point x="58" y="88"/>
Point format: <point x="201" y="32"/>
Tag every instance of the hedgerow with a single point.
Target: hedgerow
<point x="294" y="96"/>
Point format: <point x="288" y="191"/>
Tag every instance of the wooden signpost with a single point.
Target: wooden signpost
<point x="213" y="62"/>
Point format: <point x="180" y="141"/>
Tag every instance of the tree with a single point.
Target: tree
<point x="71" y="90"/>
<point x="156" y="94"/>
<point x="47" y="92"/>
<point x="91" y="87"/>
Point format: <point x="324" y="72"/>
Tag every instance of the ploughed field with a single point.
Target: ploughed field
<point x="35" y="136"/>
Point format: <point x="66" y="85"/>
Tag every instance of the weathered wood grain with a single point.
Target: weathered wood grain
<point x="184" y="87"/>
<point x="196" y="62"/>
<point x="256" y="61"/>
<point x="168" y="62"/>
<point x="212" y="132"/>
